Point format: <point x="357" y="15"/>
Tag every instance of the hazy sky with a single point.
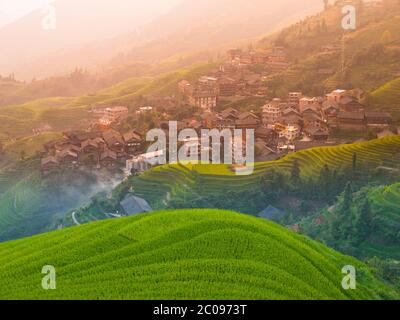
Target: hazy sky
<point x="17" y="8"/>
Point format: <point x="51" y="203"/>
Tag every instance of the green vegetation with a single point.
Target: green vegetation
<point x="326" y="59"/>
<point x="387" y="97"/>
<point x="29" y="147"/>
<point x="218" y="179"/>
<point x="364" y="224"/>
<point x="32" y="202"/>
<point x="62" y="113"/>
<point x="191" y="254"/>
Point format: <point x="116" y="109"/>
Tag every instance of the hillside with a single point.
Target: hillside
<point x="327" y="58"/>
<point x="368" y="228"/>
<point x="148" y="32"/>
<point x="73" y="42"/>
<point x="32" y="202"/>
<point x="206" y="180"/>
<point x="387" y="97"/>
<point x="198" y="254"/>
<point x="62" y="113"/>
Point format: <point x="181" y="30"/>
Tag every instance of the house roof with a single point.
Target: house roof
<point x="290" y="110"/>
<point x="108" y="154"/>
<point x="270" y="213"/>
<point x="134" y="205"/>
<point x="247" y="114"/>
<point x="89" y="142"/>
<point x="49" y="160"/>
<point x="351" y="115"/>
<point x="113" y="137"/>
<point x="131" y="135"/>
<point x="248" y="121"/>
<point x="381" y="115"/>
<point x="67" y="153"/>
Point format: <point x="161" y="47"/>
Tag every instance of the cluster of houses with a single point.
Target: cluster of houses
<point x="281" y="125"/>
<point x="107" y="116"/>
<point x="298" y="122"/>
<point x="99" y="149"/>
<point x="242" y="75"/>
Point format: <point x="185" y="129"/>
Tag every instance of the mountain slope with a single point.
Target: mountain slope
<point x="217" y="179"/>
<point x="327" y="58"/>
<point x="32" y="50"/>
<point x="204" y="25"/>
<point x="387" y="97"/>
<point x="138" y="28"/>
<point x="199" y="254"/>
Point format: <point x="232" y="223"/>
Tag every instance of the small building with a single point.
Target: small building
<point x="270" y="213"/>
<point x="294" y="97"/>
<point x="114" y="140"/>
<point x="272" y="111"/>
<point x="317" y="133"/>
<point x="49" y="163"/>
<point x="227" y="87"/>
<point x="350" y="104"/>
<point x="133" y="141"/>
<point x="116" y="113"/>
<point x="108" y="159"/>
<point x="335" y="96"/>
<point x="378" y="119"/>
<point x="205" y="98"/>
<point x="309" y="103"/>
<point x="352" y="121"/>
<point x="67" y="157"/>
<point x="133" y="205"/>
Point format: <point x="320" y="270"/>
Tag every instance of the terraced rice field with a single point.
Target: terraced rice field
<point x="209" y="179"/>
<point x="387" y="200"/>
<point x="388" y="97"/>
<point x="17" y="206"/>
<point x="189" y="254"/>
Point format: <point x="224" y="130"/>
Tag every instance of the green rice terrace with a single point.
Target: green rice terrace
<point x="388" y="97"/>
<point x="157" y="183"/>
<point x="188" y="254"/>
<point x="387" y="200"/>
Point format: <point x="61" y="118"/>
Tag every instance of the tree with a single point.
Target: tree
<point x="364" y="224"/>
<point x="347" y="199"/>
<point x="295" y="175"/>
<point x="354" y="165"/>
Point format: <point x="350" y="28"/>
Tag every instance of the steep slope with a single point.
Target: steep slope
<point x="204" y="25"/>
<point x="214" y="179"/>
<point x="32" y="202"/>
<point x="73" y="42"/>
<point x="387" y="97"/>
<point x="328" y="58"/>
<point x="138" y="28"/>
<point x="181" y="255"/>
<point x="62" y="113"/>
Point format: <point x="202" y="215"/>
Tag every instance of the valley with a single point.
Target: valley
<point x="84" y="188"/>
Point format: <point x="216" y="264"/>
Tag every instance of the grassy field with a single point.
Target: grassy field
<point x="208" y="179"/>
<point x="387" y="97"/>
<point x="198" y="254"/>
<point x="387" y="199"/>
<point x="29" y="146"/>
<point x="62" y="113"/>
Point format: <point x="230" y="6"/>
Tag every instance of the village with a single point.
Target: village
<point x="281" y="125"/>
